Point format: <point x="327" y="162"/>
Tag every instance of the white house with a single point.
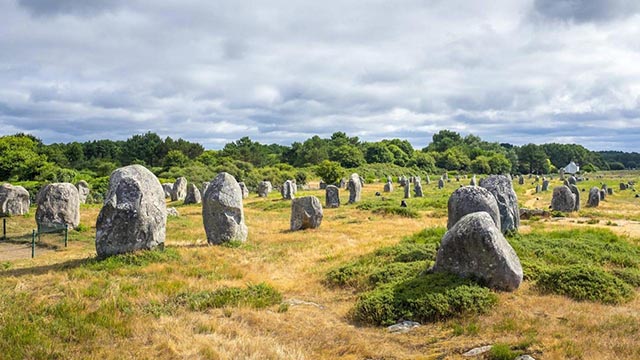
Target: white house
<point x="572" y="168"/>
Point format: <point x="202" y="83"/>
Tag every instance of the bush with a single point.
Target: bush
<point x="330" y="172"/>
<point x="503" y="352"/>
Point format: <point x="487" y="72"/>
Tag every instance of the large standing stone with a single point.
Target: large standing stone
<point x="83" y="191"/>
<point x="470" y="199"/>
<point x="179" y="191"/>
<point x="245" y="190"/>
<point x="168" y="189"/>
<point x="355" y="188"/>
<point x="58" y="205"/>
<point x="14" y="200"/>
<point x="332" y="196"/>
<point x="388" y="187"/>
<point x="288" y="191"/>
<point x="576" y="193"/>
<point x="134" y="215"/>
<point x="193" y="195"/>
<point x="264" y="188"/>
<point x="474" y="247"/>
<point x="563" y="199"/>
<point x="407" y="191"/>
<point x="417" y="188"/>
<point x="306" y="213"/>
<point x="594" y="197"/>
<point x="545" y="185"/>
<point x="502" y="189"/>
<point x="222" y="211"/>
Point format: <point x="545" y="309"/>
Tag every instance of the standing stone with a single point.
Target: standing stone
<point x="343" y="183"/>
<point x="388" y="187"/>
<point x="83" y="191"/>
<point x="389" y="179"/>
<point x="14" y="200"/>
<point x="287" y="190"/>
<point x="428" y="180"/>
<point x="355" y="188"/>
<point x="445" y="176"/>
<point x="205" y="186"/>
<point x="538" y="189"/>
<point x="417" y="188"/>
<point x="332" y="196"/>
<point x="545" y="185"/>
<point x="168" y="189"/>
<point x="609" y="191"/>
<point x="603" y="194"/>
<point x="407" y="191"/>
<point x="572" y="180"/>
<point x="474" y="247"/>
<point x="294" y="187"/>
<point x="306" y="213"/>
<point x="561" y="172"/>
<point x="502" y="190"/>
<point x="470" y="199"/>
<point x="403" y="181"/>
<point x="264" y="188"/>
<point x="58" y="205"/>
<point x="576" y="193"/>
<point x="172" y="212"/>
<point x="563" y="199"/>
<point x="179" y="189"/>
<point x="322" y="185"/>
<point x="520" y="180"/>
<point x="134" y="215"/>
<point x="473" y="181"/>
<point x="222" y="211"/>
<point x="361" y="181"/>
<point x="594" y="197"/>
<point x="245" y="190"/>
<point x="193" y="195"/>
<point x="623" y="186"/>
<point x="440" y="183"/>
<point x="537" y="178"/>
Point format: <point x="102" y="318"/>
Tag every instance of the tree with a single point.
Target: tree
<point x="378" y="153"/>
<point x="175" y="158"/>
<point x="19" y="159"/>
<point x="533" y="159"/>
<point x="348" y="156"/>
<point x="330" y="172"/>
<point x="423" y="161"/>
<point x="499" y="164"/>
<point x="453" y="159"/>
<point x="443" y="140"/>
<point x="480" y="165"/>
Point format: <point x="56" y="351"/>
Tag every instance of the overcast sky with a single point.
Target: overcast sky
<point x="514" y="71"/>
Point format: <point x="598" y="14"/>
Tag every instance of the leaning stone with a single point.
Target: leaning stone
<point x="245" y="190"/>
<point x="474" y="247"/>
<point x="502" y="190"/>
<point x="563" y="199"/>
<point x="576" y="192"/>
<point x="470" y="199"/>
<point x="58" y="205"/>
<point x="222" y="211"/>
<point x="83" y="191"/>
<point x="355" y="188"/>
<point x="179" y="191"/>
<point x="306" y="213"/>
<point x="134" y="214"/>
<point x="14" y="200"/>
<point x="594" y="197"/>
<point x="332" y="196"/>
<point x="193" y="195"/>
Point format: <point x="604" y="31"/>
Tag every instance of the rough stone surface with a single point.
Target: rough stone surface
<point x="603" y="194"/>
<point x="322" y="185"/>
<point x="244" y="189"/>
<point x="563" y="199"/>
<point x="355" y="188"/>
<point x="179" y="191"/>
<point x="529" y="213"/>
<point x="134" y="214"/>
<point x="475" y="247"/>
<point x="172" y="212"/>
<point x="545" y="185"/>
<point x="576" y="193"/>
<point x="287" y="190"/>
<point x="14" y="200"/>
<point x="222" y="211"/>
<point x="83" y="191"/>
<point x="264" y="188"/>
<point x="205" y="186"/>
<point x="403" y="327"/>
<point x="440" y="184"/>
<point x="572" y="180"/>
<point x="332" y="196"/>
<point x="388" y="187"/>
<point x="609" y="191"/>
<point x="407" y="191"/>
<point x="470" y="199"/>
<point x="520" y="180"/>
<point x="502" y="189"/>
<point x="168" y="189"/>
<point x="417" y="188"/>
<point x="473" y="181"/>
<point x="306" y="213"/>
<point x="477" y="351"/>
<point x="594" y="197"/>
<point x="58" y="204"/>
<point x="193" y="195"/>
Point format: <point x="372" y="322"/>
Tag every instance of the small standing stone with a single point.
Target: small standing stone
<point x="594" y="197"/>
<point x="440" y="183"/>
<point x="83" y="191"/>
<point x="14" y="200"/>
<point x="417" y="188"/>
<point x="388" y="187"/>
<point x="193" y="195"/>
<point x="623" y="186"/>
<point x="332" y="196"/>
<point x="355" y="188"/>
<point x="576" y="192"/>
<point x="179" y="189"/>
<point x="520" y="180"/>
<point x="306" y="213"/>
<point x="322" y="185"/>
<point x="264" y="188"/>
<point x="563" y="199"/>
<point x="609" y="191"/>
<point x="245" y="190"/>
<point x="407" y="191"/>
<point x="545" y="185"/>
<point x="288" y="191"/>
<point x="473" y="181"/>
<point x="168" y="189"/>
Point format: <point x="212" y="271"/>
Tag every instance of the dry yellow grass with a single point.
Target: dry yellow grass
<point x="295" y="263"/>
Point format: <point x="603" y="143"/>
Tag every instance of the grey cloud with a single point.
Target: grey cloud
<point x="73" y="7"/>
<point x="586" y="10"/>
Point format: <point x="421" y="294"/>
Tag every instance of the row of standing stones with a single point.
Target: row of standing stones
<point x="16" y="200"/>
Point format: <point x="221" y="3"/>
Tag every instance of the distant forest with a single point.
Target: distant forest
<point x="24" y="158"/>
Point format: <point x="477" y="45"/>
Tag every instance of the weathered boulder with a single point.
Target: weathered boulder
<point x="322" y="185"/>
<point x="594" y="197"/>
<point x="14" y="200"/>
<point x="520" y="180"/>
<point x="475" y="247"/>
<point x="168" y="189"/>
<point x="502" y="189"/>
<point x="407" y="191"/>
<point x="193" y="195"/>
<point x="563" y="199"/>
<point x="222" y="211"/>
<point x="245" y="190"/>
<point x="576" y="193"/>
<point x="572" y="180"/>
<point x="172" y="212"/>
<point x="179" y="191"/>
<point x="58" y="205"/>
<point x="388" y="187"/>
<point x="603" y="194"/>
<point x="264" y="188"/>
<point x="609" y="191"/>
<point x="134" y="214"/>
<point x="83" y="191"/>
<point x="332" y="196"/>
<point x="470" y="199"/>
<point x="440" y="183"/>
<point x="288" y="190"/>
<point x="306" y="213"/>
<point x="355" y="188"/>
<point x="417" y="188"/>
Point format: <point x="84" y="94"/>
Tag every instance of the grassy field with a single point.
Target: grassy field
<point x="298" y="295"/>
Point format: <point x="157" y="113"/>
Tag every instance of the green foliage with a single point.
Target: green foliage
<point x="254" y="296"/>
<point x="348" y="156"/>
<point x="501" y="351"/>
<point x="330" y="172"/>
<point x="175" y="158"/>
<point x="137" y="259"/>
<point x="378" y="153"/>
<point x="533" y="159"/>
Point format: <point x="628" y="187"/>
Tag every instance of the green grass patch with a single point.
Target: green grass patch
<point x="136" y="259"/>
<point x="254" y="296"/>
<point x="501" y="351"/>
<point x="270" y="204"/>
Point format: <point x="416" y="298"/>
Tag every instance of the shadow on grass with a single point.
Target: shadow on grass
<point x="41" y="270"/>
